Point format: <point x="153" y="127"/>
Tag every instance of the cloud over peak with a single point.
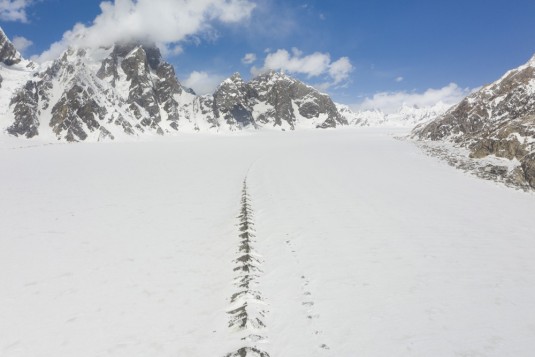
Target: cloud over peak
<point x="203" y="82"/>
<point x="314" y="65"/>
<point x="21" y="43"/>
<point x="165" y="22"/>
<point x="390" y="102"/>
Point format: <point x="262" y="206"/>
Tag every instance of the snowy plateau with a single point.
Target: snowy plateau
<point x="139" y="219"/>
<point x="362" y="246"/>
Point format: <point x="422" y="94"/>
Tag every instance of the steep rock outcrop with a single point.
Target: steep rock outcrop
<point x="8" y="53"/>
<point x="497" y="120"/>
<point x="26" y="106"/>
<point x="233" y="102"/>
<point x="285" y="100"/>
<point x="274" y="99"/>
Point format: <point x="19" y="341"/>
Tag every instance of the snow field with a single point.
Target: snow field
<point x="368" y="248"/>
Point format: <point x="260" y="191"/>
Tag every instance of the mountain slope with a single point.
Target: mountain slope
<point x="274" y="99"/>
<point x="129" y="90"/>
<point x="126" y="90"/>
<point x="8" y="53"/>
<point x="14" y="72"/>
<point x="498" y="120"/>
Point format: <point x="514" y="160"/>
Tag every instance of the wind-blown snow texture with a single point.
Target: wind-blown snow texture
<point x="368" y="248"/>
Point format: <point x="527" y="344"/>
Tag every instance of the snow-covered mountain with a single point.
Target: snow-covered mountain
<point x="8" y="53"/>
<point x="274" y="99"/>
<point x="128" y="89"/>
<point x="498" y="120"/>
<point x="406" y="116"/>
<point x="14" y="73"/>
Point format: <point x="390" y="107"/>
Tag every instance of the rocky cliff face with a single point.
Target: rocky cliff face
<point x="14" y="73"/>
<point x="275" y="100"/>
<point x="233" y="102"/>
<point x="125" y="90"/>
<point x="497" y="120"/>
<point x="286" y="102"/>
<point x="66" y="100"/>
<point x="8" y="53"/>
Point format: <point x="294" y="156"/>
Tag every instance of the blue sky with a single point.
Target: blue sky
<point x="403" y="48"/>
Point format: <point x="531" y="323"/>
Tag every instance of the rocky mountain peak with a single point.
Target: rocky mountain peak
<point x="129" y="89"/>
<point x="274" y="76"/>
<point x="531" y="61"/>
<point x="8" y="53"/>
<point x="236" y="77"/>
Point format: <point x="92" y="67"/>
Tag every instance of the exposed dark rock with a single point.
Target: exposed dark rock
<point x="497" y="120"/>
<point x="166" y="86"/>
<point x="142" y="97"/>
<point x="121" y="121"/>
<point x="109" y="69"/>
<point x="528" y="166"/>
<point x="248" y="352"/>
<point x="25" y="105"/>
<point x="136" y="90"/>
<point x="105" y="134"/>
<point x="235" y="101"/>
<point x="75" y="112"/>
<point x="8" y="53"/>
<point x="507" y="99"/>
<point x="232" y="102"/>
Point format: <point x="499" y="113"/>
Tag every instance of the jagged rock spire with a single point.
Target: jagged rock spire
<point x="8" y="53"/>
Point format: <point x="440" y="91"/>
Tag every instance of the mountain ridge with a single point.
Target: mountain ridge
<point x="8" y="53"/>
<point x="498" y="120"/>
<point x="405" y="116"/>
<point x="129" y="89"/>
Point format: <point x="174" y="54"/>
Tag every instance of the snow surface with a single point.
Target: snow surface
<point x="368" y="248"/>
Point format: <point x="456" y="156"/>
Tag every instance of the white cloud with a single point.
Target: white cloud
<point x="249" y="58"/>
<point x="14" y="10"/>
<point x="390" y="102"/>
<point x="399" y="79"/>
<point x="159" y="21"/>
<point x="314" y="65"/>
<point x="203" y="82"/>
<point x="340" y="70"/>
<point x="21" y="43"/>
<point x="170" y="50"/>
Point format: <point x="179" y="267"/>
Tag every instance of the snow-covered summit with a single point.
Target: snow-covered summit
<point x="14" y="72"/>
<point x="130" y="90"/>
<point x="406" y="116"/>
<point x="8" y="53"/>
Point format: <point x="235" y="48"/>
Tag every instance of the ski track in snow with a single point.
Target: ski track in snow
<point x="128" y="249"/>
